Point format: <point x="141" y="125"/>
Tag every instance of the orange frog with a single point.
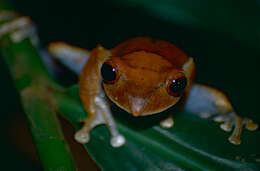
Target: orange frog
<point x="143" y="76"/>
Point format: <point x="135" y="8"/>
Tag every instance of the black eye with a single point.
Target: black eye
<point x="177" y="86"/>
<point x="108" y="72"/>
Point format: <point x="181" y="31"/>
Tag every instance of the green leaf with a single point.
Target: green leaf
<point x="192" y="143"/>
<point x="36" y="89"/>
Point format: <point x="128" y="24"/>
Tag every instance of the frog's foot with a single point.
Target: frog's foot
<point x="209" y="102"/>
<point x="82" y="136"/>
<point x="19" y="27"/>
<point x="232" y="119"/>
<point x="167" y="122"/>
<point x="102" y="116"/>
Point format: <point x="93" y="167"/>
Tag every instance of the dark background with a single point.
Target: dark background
<point x="227" y="60"/>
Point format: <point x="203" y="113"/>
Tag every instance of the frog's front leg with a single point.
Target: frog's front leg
<point x="209" y="102"/>
<point x="94" y="100"/>
<point x="99" y="113"/>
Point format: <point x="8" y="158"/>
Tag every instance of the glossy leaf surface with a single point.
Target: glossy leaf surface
<point x="193" y="143"/>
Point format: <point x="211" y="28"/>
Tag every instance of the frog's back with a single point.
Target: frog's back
<point x="162" y="48"/>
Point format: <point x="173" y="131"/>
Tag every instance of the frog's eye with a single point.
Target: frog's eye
<point x="109" y="73"/>
<point x="177" y="86"/>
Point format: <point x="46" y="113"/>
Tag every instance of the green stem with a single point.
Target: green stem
<point x="36" y="89"/>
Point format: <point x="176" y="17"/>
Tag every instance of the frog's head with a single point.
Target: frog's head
<point x="142" y="83"/>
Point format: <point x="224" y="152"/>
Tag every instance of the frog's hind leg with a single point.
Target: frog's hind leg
<point x="212" y="103"/>
<point x="19" y="27"/>
<point x="117" y="139"/>
<point x="72" y="57"/>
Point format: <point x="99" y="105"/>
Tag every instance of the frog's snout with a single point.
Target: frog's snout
<point x="137" y="105"/>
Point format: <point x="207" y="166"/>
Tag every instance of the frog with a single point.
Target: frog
<point x="143" y="76"/>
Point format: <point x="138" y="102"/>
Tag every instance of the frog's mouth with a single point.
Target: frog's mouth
<point x="139" y="106"/>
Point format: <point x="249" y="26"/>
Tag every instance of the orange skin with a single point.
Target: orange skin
<point x="144" y="66"/>
<point x="145" y="70"/>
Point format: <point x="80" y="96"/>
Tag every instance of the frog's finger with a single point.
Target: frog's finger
<point x="235" y="137"/>
<point x="221" y="118"/>
<point x="167" y="122"/>
<point x="250" y="125"/>
<point x="227" y="125"/>
<point x="233" y="119"/>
